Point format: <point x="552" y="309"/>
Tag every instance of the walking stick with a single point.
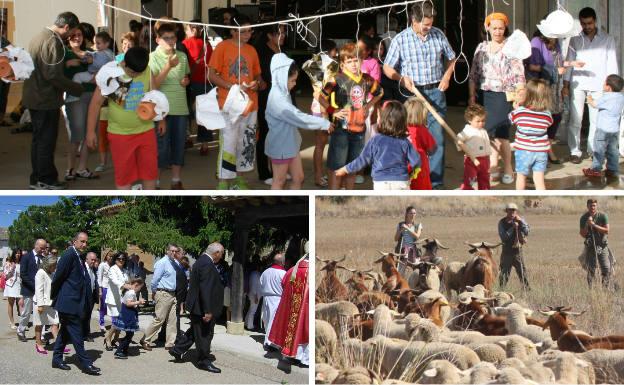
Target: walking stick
<point x="445" y="125"/>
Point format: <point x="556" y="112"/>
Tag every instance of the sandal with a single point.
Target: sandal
<point x="323" y="182"/>
<point x="86" y="174"/>
<point x="69" y="174"/>
<point x="507" y="179"/>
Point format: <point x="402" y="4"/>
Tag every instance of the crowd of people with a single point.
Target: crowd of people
<point x="59" y="293"/>
<point x="374" y="112"/>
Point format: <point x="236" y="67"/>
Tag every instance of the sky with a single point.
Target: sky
<point x="12" y="206"/>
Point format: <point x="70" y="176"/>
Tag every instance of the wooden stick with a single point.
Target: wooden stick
<point x="443" y="123"/>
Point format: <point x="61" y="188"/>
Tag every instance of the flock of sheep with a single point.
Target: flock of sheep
<point x="397" y="327"/>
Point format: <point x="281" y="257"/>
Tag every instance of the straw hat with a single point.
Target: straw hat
<point x="511" y="206"/>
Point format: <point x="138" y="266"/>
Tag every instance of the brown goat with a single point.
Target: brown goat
<point x="356" y="284"/>
<point x="330" y="288"/>
<point x="395" y="285"/>
<point x="429" y="310"/>
<point x="369" y="300"/>
<point x="481" y="269"/>
<point x="476" y="317"/>
<point x="573" y="341"/>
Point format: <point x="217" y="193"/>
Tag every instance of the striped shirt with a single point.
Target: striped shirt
<point x="531" y="129"/>
<point x="418" y="59"/>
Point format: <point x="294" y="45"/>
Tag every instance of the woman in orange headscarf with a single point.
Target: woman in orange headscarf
<point x="494" y="79"/>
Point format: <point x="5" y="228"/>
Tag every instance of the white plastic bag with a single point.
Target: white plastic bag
<point x="161" y="103"/>
<point x="207" y="110"/>
<point x="518" y="46"/>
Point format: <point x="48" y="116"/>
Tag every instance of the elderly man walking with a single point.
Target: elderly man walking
<point x="71" y="288"/>
<point x="271" y="290"/>
<point x="92" y="294"/>
<point x="43" y="96"/>
<point x="595" y="230"/>
<point x="596" y="49"/>
<point x="417" y="54"/>
<point x="513" y="231"/>
<point x="29" y="265"/>
<point x="204" y="302"/>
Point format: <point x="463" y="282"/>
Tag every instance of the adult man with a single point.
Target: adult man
<point x="43" y="96"/>
<point x="29" y="265"/>
<point x="181" y="288"/>
<point x="92" y="295"/>
<point x="71" y="289"/>
<point x="417" y="52"/>
<point x="513" y="231"/>
<point x="164" y="294"/>
<point x="596" y="49"/>
<point x="204" y="303"/>
<point x="271" y="291"/>
<point x="595" y="230"/>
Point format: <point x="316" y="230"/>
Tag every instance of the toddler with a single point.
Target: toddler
<point x="128" y="319"/>
<point x="421" y="139"/>
<point x="96" y="60"/>
<point x="476" y="138"/>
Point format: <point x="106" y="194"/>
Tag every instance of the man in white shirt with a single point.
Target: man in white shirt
<point x="597" y="50"/>
<point x="93" y="295"/>
<point x="271" y="291"/>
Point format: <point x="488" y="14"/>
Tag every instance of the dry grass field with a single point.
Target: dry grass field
<point x="358" y="227"/>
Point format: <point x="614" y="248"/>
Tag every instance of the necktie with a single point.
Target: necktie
<point x="38" y="260"/>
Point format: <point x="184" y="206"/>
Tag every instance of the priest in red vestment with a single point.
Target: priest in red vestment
<point x="290" y="326"/>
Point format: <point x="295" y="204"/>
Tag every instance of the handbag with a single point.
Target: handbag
<point x="2" y="281"/>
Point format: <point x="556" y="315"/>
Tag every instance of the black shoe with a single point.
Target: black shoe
<point x="209" y="367"/>
<point x="576" y="159"/>
<point x="175" y="354"/>
<point x="62" y="366"/>
<point x="107" y="347"/>
<point x="210" y="357"/>
<point x="91" y="370"/>
<point x="21" y="337"/>
<point x="88" y="339"/>
<point x="121" y="356"/>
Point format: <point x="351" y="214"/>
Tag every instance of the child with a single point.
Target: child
<point x="389" y="152"/>
<point x="321" y="136"/>
<point x="421" y="139"/>
<point x="101" y="56"/>
<point x="532" y="119"/>
<point x="284" y="141"/>
<point x="370" y="64"/>
<point x="347" y="95"/>
<point x="132" y="141"/>
<point x="127" y="42"/>
<point x="237" y="140"/>
<point x="476" y="138"/>
<point x="610" y="109"/>
<point x="173" y="79"/>
<point x="128" y="319"/>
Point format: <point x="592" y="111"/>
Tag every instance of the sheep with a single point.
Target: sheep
<point x="520" y="347"/>
<point x="383" y="324"/>
<point x="338" y="314"/>
<point x="608" y="365"/>
<point x="488" y="352"/>
<point x="531" y="370"/>
<point x="325" y="374"/>
<point x="453" y="277"/>
<point x="325" y="341"/>
<point x="441" y="372"/>
<point x="482" y="373"/>
<point x="371" y="299"/>
<point x="569" y="369"/>
<point x="509" y="376"/>
<point x="515" y="323"/>
<point x="429" y="296"/>
<point x="421" y="329"/>
<point x="356" y="375"/>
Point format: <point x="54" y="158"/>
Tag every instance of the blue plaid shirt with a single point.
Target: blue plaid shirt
<point x="420" y="60"/>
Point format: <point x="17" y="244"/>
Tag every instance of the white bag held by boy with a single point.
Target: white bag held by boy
<point x="237" y="103"/>
<point x="20" y="63"/>
<point x="207" y="111"/>
<point x="159" y="102"/>
<point x="106" y="78"/>
<point x="518" y="46"/>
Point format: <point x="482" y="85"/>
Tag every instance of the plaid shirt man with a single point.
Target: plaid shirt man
<point x="418" y="59"/>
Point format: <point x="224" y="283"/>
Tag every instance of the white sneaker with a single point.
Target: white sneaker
<point x="359" y="179"/>
<point x="268" y="182"/>
<point x="507" y="179"/>
<point x="137" y="186"/>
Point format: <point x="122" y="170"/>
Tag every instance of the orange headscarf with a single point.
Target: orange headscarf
<point x="496" y="16"/>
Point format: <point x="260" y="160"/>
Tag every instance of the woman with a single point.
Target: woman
<point x="269" y="45"/>
<point x="102" y="279"/>
<point x="407" y="233"/>
<point x="11" y="269"/>
<point x="77" y="60"/>
<point x="117" y="278"/>
<point x="43" y="312"/>
<point x="494" y="79"/>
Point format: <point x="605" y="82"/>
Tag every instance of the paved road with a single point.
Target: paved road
<point x="241" y="359"/>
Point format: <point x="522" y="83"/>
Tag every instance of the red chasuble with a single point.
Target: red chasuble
<point x="290" y="325"/>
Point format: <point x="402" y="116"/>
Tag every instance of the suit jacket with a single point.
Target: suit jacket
<point x="181" y="283"/>
<point x="71" y="286"/>
<point x="93" y="292"/>
<point x="205" y="294"/>
<point x="28" y="270"/>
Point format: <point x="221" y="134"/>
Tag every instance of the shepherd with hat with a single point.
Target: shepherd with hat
<point x="513" y="231"/>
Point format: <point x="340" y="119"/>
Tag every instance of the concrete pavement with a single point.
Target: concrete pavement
<point x="241" y="359"/>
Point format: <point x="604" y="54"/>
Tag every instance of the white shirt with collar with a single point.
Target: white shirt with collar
<point x="92" y="276"/>
<point x="599" y="56"/>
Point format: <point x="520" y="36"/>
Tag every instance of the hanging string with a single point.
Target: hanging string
<point x="382" y="40"/>
<point x="205" y="63"/>
<point x="301" y="27"/>
<point x="239" y="52"/>
<point x="461" y="47"/>
<point x="4" y="20"/>
<point x="149" y="25"/>
<point x="357" y="35"/>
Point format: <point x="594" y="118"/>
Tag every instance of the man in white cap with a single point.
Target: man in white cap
<point x="597" y="50"/>
<point x="513" y="231"/>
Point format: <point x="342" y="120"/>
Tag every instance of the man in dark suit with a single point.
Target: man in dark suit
<point x="181" y="289"/>
<point x="71" y="292"/>
<point x="92" y="299"/>
<point x="204" y="302"/>
<point x="29" y="264"/>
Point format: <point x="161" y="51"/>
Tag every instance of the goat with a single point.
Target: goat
<point x="574" y="341"/>
<point x="481" y="269"/>
<point x="475" y="317"/>
<point x="395" y="285"/>
<point x="357" y="282"/>
<point x="330" y="288"/>
<point x="430" y="248"/>
<point x="426" y="276"/>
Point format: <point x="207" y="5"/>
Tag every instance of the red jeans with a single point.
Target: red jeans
<point x="480" y="174"/>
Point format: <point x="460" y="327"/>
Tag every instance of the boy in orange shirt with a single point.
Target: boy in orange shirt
<point x="237" y="141"/>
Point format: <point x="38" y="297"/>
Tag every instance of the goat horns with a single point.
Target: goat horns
<point x="432" y="240"/>
<point x="486" y="245"/>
